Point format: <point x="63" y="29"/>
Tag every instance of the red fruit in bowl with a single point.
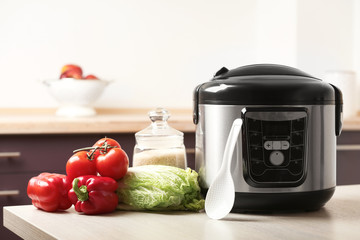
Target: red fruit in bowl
<point x="72" y="67"/>
<point x="71" y="74"/>
<point x="90" y="76"/>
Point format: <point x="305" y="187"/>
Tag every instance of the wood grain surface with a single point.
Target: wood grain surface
<point x="44" y="121"/>
<point x="339" y="219"/>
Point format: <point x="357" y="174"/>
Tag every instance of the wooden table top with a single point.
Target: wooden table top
<point x="339" y="219"/>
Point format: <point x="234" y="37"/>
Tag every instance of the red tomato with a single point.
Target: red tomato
<point x="104" y="142"/>
<point x="114" y="163"/>
<point x="110" y="142"/>
<point x="79" y="164"/>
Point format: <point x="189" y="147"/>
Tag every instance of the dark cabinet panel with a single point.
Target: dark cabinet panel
<point x="349" y="137"/>
<point x="348" y="158"/>
<point x="12" y="192"/>
<point x="348" y="167"/>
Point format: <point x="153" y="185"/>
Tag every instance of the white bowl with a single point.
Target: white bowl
<point x="76" y="96"/>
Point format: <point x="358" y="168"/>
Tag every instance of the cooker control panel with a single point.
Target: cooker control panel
<point x="275" y="143"/>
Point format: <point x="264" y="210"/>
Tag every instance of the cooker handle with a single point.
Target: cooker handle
<point x="196" y="104"/>
<point x="260" y="69"/>
<point x="338" y="110"/>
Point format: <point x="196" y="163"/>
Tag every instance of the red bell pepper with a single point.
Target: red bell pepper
<point x="48" y="191"/>
<point x="94" y="194"/>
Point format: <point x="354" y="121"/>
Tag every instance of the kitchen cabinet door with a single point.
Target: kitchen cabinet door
<point x="12" y="192"/>
<point x="348" y="158"/>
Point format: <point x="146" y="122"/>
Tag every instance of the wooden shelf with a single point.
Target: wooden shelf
<point x="44" y="121"/>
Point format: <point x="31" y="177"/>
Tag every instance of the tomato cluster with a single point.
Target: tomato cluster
<point x="105" y="157"/>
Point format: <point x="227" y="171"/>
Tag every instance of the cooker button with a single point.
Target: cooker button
<point x="297" y="138"/>
<point x="276" y="158"/>
<point x="276" y="145"/>
<point x="254" y="125"/>
<point x="256" y="153"/>
<point x="295" y="167"/>
<point x="285" y="145"/>
<point x="257" y="167"/>
<point x="296" y="153"/>
<point x="298" y="124"/>
<point x="268" y="145"/>
<point x="255" y="139"/>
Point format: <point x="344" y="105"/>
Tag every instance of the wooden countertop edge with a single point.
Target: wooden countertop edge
<point x="126" y="127"/>
<point x="108" y="120"/>
<point x="100" y="111"/>
<point x="352" y="124"/>
<point x="44" y="121"/>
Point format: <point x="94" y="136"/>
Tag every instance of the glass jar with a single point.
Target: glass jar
<point x="159" y="144"/>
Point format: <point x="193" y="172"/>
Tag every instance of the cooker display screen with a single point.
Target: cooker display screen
<point x="276" y="128"/>
<point x="276" y="148"/>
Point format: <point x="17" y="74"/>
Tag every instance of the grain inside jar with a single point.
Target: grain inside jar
<point x="168" y="157"/>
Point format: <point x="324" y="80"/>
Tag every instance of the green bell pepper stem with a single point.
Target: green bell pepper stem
<point x="81" y="193"/>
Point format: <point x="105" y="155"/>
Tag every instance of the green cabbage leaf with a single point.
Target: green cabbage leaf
<point x="158" y="187"/>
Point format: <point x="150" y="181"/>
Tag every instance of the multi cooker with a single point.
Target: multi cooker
<point x="285" y="156"/>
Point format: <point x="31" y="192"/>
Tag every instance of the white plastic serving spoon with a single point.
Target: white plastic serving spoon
<point x="221" y="194"/>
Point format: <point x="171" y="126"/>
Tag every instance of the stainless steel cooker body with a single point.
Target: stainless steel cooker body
<point x="316" y="171"/>
<point x="319" y="153"/>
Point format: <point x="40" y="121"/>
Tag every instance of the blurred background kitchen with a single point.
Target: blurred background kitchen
<point x="157" y="51"/>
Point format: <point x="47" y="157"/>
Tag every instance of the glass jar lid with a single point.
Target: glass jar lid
<point x="159" y="134"/>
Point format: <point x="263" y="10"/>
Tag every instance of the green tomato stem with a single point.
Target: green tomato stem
<point x="103" y="149"/>
<point x="93" y="148"/>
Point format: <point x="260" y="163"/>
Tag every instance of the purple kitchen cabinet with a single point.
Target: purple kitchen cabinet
<point x="12" y="192"/>
<point x="348" y="158"/>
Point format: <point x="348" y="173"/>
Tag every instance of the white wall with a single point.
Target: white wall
<point x="277" y="32"/>
<point x="325" y="35"/>
<point x="158" y="51"/>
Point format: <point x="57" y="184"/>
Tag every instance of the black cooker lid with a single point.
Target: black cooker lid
<point x="265" y="84"/>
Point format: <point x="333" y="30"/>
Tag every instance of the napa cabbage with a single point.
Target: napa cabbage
<point x="158" y="187"/>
